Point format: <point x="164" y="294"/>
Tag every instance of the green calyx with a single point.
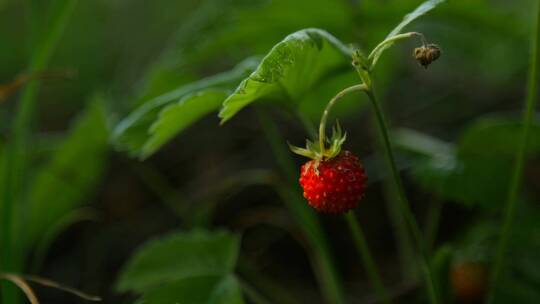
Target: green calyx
<point x="331" y="148"/>
<point x="363" y="66"/>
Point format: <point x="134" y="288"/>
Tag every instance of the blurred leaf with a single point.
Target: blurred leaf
<point x="476" y="244"/>
<point x="290" y="70"/>
<point x="520" y="276"/>
<point x="497" y="136"/>
<point x="175" y="117"/>
<point x="316" y="99"/>
<point x="53" y="231"/>
<point x="220" y="28"/>
<point x="142" y="132"/>
<point x="418" y="12"/>
<point x="476" y="172"/>
<point x="440" y="265"/>
<point x="71" y="174"/>
<point x="185" y="267"/>
<point x="517" y="291"/>
<point x="198" y="290"/>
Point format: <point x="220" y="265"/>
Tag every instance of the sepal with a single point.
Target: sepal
<point x="313" y="149"/>
<point x="336" y="141"/>
<point x="307" y="152"/>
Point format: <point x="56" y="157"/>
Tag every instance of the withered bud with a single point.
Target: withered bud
<point x="426" y="54"/>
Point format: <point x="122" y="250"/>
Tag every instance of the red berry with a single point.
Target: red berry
<point x="334" y="186"/>
<point x="469" y="281"/>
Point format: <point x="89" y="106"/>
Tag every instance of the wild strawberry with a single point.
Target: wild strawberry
<point x="333" y="181"/>
<point x="469" y="281"/>
<point x="334" y="186"/>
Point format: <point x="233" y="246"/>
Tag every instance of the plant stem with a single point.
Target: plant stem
<point x="405" y="247"/>
<point x="322" y="261"/>
<point x="432" y="222"/>
<point x="515" y="182"/>
<point x="367" y="259"/>
<point x="403" y="203"/>
<point x="324" y="118"/>
<point x="354" y="226"/>
<point x="373" y="57"/>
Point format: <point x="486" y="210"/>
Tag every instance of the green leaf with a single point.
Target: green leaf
<point x="141" y="133"/>
<point x="62" y="184"/>
<point x="418" y="12"/>
<point x="474" y="172"/>
<point x="388" y="42"/>
<point x="440" y="265"/>
<point x="500" y="136"/>
<point x="290" y="70"/>
<point x="185" y="267"/>
<point x="176" y="117"/>
<point x="50" y="234"/>
<point x="197" y="290"/>
<point x="520" y="276"/>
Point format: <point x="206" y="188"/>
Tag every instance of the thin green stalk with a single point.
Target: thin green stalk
<point x="307" y="220"/>
<point x="515" y="182"/>
<point x="358" y="235"/>
<point x="324" y="118"/>
<point x="398" y="222"/>
<point x="367" y="259"/>
<point x="16" y="152"/>
<point x="405" y="247"/>
<point x="385" y="44"/>
<point x="403" y="203"/>
<point x="432" y="223"/>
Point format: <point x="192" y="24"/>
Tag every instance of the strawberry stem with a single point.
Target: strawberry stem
<point x="403" y="202"/>
<point x="367" y="258"/>
<point x="374" y="55"/>
<point x="511" y="203"/>
<point x="324" y="118"/>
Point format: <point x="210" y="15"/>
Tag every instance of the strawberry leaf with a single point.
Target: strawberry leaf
<point x="290" y="70"/>
<point x="179" y="115"/>
<point x="151" y="125"/>
<point x="64" y="182"/>
<point x="418" y="12"/>
<point x="476" y="170"/>
<point x="185" y="267"/>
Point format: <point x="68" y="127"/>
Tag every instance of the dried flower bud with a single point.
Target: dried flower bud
<point x="425" y="55"/>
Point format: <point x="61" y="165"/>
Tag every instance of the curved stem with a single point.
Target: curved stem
<point x="22" y="284"/>
<point x="367" y="259"/>
<point x="323" y="260"/>
<point x="324" y="118"/>
<point x="379" y="49"/>
<point x="515" y="182"/>
<point x="358" y="235"/>
<point x="403" y="203"/>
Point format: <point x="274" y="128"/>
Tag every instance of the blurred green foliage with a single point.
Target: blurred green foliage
<point x="163" y="65"/>
<point x="194" y="267"/>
